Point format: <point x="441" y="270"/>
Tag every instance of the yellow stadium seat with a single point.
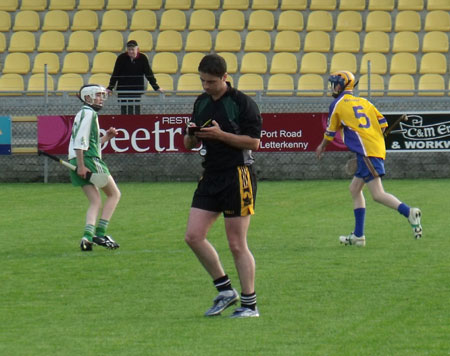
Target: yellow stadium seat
<point x="347" y="41"/>
<point x="235" y="4"/>
<point x="416" y="5"/>
<point x="435" y="41"/>
<point x="206" y="4"/>
<point x="319" y="21"/>
<point x="49" y="59"/>
<point x="169" y="41"/>
<point x="198" y="41"/>
<point x="313" y="62"/>
<point x="148" y="4"/>
<point x="91" y="5"/>
<point x="438" y="5"/>
<point x="51" y="41"/>
<point x="435" y="63"/>
<point x="408" y="21"/>
<point x="76" y="62"/>
<point x="36" y="84"/>
<point x="378" y="63"/>
<point x="66" y="5"/>
<point x="322" y="5"/>
<point x="143" y="38"/>
<point x="22" y="41"/>
<point x="11" y="82"/>
<point x="376" y="41"/>
<point x="143" y="20"/>
<point x="290" y="21"/>
<point x="257" y="41"/>
<point x="250" y="83"/>
<point x="2" y="43"/>
<point x="165" y="81"/>
<point x="378" y="21"/>
<point x="343" y="61"/>
<point x="317" y="41"/>
<point x="104" y="62"/>
<point x="310" y="85"/>
<point x="9" y="5"/>
<point x="202" y="20"/>
<point x="119" y="5"/>
<point x="5" y="21"/>
<point x="431" y="85"/>
<point x="110" y="41"/>
<point x="35" y="5"/>
<point x="100" y="79"/>
<point x="375" y="88"/>
<point x="349" y="21"/>
<point x="85" y="20"/>
<point x="165" y="62"/>
<point x="265" y="5"/>
<point x="190" y="62"/>
<point x="228" y="41"/>
<point x="284" y="62"/>
<point x="277" y="82"/>
<point x="70" y="83"/>
<point x="261" y="20"/>
<point x="437" y="21"/>
<point x="405" y="41"/>
<point x="18" y="63"/>
<point x="189" y="84"/>
<point x="401" y="85"/>
<point x="56" y="20"/>
<point x="254" y="62"/>
<point x="27" y="20"/>
<point x="356" y="5"/>
<point x="178" y="4"/>
<point x="231" y="20"/>
<point x="114" y="20"/>
<point x="293" y="5"/>
<point x="173" y="20"/>
<point x="81" y="41"/>
<point x="403" y="63"/>
<point x="231" y="60"/>
<point x="381" y="5"/>
<point x="287" y="41"/>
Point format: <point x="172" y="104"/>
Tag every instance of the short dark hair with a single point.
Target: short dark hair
<point x="213" y="64"/>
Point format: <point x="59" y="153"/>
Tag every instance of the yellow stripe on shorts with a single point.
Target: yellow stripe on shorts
<point x="246" y="191"/>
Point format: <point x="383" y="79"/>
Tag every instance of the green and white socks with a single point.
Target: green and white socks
<point x="90" y="231"/>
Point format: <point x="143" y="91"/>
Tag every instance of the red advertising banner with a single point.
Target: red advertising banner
<point x="291" y="132"/>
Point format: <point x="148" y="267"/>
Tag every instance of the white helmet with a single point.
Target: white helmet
<point x="91" y="90"/>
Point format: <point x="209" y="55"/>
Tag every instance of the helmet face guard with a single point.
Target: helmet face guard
<point x="340" y="81"/>
<point x="91" y="91"/>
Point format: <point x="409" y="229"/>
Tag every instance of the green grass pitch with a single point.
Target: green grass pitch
<point x="315" y="296"/>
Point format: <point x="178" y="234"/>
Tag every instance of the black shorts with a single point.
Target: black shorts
<point x="232" y="192"/>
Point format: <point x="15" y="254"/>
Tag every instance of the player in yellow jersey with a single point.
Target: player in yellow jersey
<point x="362" y="126"/>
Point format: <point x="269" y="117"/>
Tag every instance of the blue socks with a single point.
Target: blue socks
<point x="360" y="215"/>
<point x="404" y="210"/>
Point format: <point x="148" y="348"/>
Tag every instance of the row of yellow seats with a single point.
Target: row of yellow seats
<point x="388" y="5"/>
<point x="229" y="41"/>
<point x="252" y="62"/>
<point x="408" y="20"/>
<point x="277" y="84"/>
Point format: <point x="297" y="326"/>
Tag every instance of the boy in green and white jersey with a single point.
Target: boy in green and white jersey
<point x="85" y="153"/>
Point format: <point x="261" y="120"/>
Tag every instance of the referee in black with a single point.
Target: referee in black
<point x="228" y="125"/>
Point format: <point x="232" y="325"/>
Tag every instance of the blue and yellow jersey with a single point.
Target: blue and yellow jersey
<point x="360" y="124"/>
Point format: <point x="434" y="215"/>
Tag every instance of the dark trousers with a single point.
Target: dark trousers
<point x="130" y="106"/>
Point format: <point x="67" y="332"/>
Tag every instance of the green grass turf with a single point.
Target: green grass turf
<point x="315" y="296"/>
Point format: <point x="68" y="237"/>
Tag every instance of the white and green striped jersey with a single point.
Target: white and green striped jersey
<point x="85" y="134"/>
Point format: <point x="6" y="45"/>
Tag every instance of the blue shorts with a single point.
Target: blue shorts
<point x="369" y="168"/>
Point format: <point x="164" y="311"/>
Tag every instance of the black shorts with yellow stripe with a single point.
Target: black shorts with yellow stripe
<point x="232" y="192"/>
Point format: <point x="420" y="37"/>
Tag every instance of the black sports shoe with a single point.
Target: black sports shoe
<point x="85" y="244"/>
<point x="105" y="241"/>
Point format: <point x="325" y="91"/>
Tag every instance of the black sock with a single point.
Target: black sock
<point x="223" y="283"/>
<point x="248" y="301"/>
